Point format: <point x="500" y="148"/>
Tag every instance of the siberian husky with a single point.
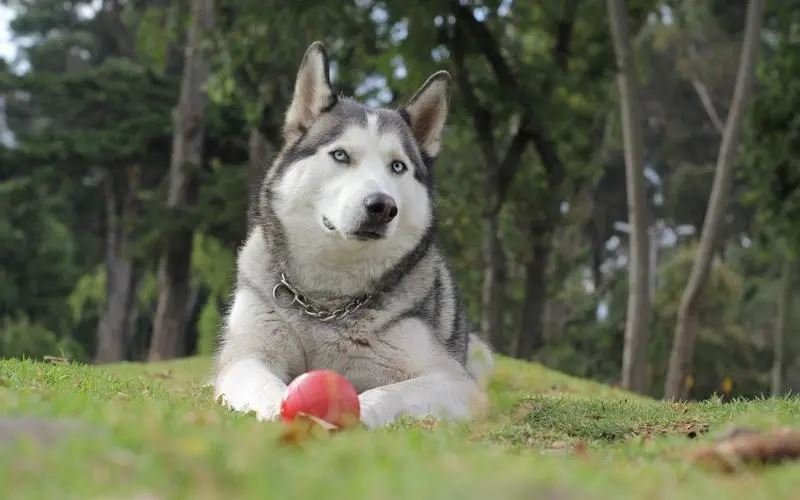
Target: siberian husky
<point x="342" y="270"/>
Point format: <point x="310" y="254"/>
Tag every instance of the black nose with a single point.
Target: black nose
<point x="381" y="208"/>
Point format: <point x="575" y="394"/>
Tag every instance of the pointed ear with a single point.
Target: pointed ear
<point x="313" y="93"/>
<point x="426" y="112"/>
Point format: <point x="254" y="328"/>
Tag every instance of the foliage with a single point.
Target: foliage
<point x="22" y="339"/>
<point x="724" y="348"/>
<point x="258" y="44"/>
<point x="38" y="253"/>
<point x="133" y="117"/>
<point x="587" y="345"/>
<point x="727" y="352"/>
<point x="773" y="166"/>
<point x="212" y="264"/>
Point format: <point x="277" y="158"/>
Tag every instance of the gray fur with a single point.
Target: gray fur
<point x="412" y="331"/>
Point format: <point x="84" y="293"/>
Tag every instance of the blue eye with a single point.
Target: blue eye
<point x="398" y="167"/>
<point x="340" y="156"/>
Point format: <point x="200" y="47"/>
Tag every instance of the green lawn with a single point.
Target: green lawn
<point x="153" y="431"/>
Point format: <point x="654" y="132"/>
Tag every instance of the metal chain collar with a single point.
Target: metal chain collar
<point x="299" y="299"/>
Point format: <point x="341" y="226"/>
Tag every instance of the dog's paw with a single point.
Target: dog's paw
<point x="263" y="408"/>
<point x="370" y="417"/>
<point x="374" y="410"/>
<point x="248" y="387"/>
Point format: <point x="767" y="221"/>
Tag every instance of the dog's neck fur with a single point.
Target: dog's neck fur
<point x="328" y="278"/>
<point x="329" y="281"/>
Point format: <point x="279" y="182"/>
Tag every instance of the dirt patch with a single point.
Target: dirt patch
<point x="522" y="410"/>
<point x="39" y="430"/>
<point x="689" y="428"/>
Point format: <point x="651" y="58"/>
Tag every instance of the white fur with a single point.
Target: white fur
<point x="257" y="358"/>
<point x="317" y="186"/>
<point x="441" y="387"/>
<point x="248" y="385"/>
<point x="397" y="362"/>
<point x="480" y="361"/>
<point x="441" y="395"/>
<point x="421" y="380"/>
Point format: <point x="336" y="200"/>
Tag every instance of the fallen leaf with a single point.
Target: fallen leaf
<point x="581" y="449"/>
<point x="740" y="447"/>
<point x="523" y="409"/>
<point x="304" y="428"/>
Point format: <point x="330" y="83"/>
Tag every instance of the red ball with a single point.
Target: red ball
<point x="324" y="395"/>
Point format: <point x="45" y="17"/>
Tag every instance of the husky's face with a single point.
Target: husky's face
<point x="358" y="177"/>
<point x="351" y="187"/>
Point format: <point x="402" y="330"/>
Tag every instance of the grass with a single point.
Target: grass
<point x="153" y="431"/>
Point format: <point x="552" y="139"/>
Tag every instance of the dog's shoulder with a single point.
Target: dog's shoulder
<point x="253" y="261"/>
<point x="430" y="294"/>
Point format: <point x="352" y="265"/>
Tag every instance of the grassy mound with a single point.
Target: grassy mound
<point x="153" y="431"/>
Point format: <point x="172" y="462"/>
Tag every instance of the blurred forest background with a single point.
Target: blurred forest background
<point x="132" y="130"/>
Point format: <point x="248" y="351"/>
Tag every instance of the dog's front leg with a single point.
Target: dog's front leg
<point x="440" y="395"/>
<point x="249" y="385"/>
<point x="254" y="359"/>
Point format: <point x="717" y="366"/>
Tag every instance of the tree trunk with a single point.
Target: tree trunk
<point x="598" y="247"/>
<point x="169" y="325"/>
<point x="494" y="280"/>
<point x="260" y="153"/>
<point x="634" y="355"/>
<point x="115" y="328"/>
<point x="680" y="362"/>
<point x="781" y="323"/>
<point x="530" y="335"/>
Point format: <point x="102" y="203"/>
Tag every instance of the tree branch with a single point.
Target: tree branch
<point x="705" y="95"/>
<point x="482" y="118"/>
<point x="513" y="158"/>
<point x="488" y="45"/>
<point x="682" y="353"/>
<point x="505" y="169"/>
<point x="562" y="49"/>
<point x="708" y="105"/>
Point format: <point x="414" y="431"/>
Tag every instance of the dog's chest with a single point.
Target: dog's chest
<point x="368" y="356"/>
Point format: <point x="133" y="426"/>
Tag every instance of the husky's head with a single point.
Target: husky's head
<point x="349" y="195"/>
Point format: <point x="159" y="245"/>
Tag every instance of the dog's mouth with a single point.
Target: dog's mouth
<point x="365" y="235"/>
<point x="328" y="224"/>
<point x="361" y="234"/>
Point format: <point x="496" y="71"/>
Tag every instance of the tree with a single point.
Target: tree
<point x="115" y="329"/>
<point x="772" y="173"/>
<point x="172" y="311"/>
<point x="501" y="163"/>
<point x="87" y="120"/>
<point x="728" y="344"/>
<point x="781" y="326"/>
<point x="535" y="89"/>
<point x="681" y="357"/>
<point x="635" y="349"/>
